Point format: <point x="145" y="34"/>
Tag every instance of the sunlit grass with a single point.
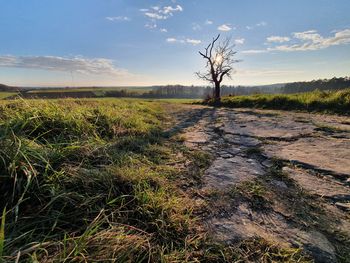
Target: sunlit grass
<point x="94" y="89"/>
<point x="96" y="181"/>
<point x="318" y="101"/>
<point x="4" y="95"/>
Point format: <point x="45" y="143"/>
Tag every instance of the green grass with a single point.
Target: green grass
<point x="4" y="95"/>
<point x="317" y="101"/>
<point x="180" y="101"/>
<point x="87" y="179"/>
<point x="100" y="181"/>
<point x="94" y="89"/>
<point x="2" y="234"/>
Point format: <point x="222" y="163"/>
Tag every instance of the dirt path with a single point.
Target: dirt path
<point x="281" y="176"/>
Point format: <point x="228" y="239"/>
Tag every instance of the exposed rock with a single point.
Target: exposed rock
<point x="322" y="153"/>
<point x="279" y="184"/>
<point x="230" y="134"/>
<point x="321" y="186"/>
<point x="227" y="172"/>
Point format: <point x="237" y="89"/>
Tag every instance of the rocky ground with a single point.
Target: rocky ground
<point x="282" y="176"/>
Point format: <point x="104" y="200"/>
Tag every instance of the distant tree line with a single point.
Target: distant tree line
<point x="178" y="91"/>
<point x="320" y="84"/>
<point x="193" y="92"/>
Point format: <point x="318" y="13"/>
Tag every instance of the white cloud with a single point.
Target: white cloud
<point x="151" y="25"/>
<point x="311" y="35"/>
<point x="118" y="18"/>
<point x="239" y="41"/>
<point x="196" y="27"/>
<point x="170" y="10"/>
<point x="193" y="42"/>
<point x="208" y="22"/>
<point x="155" y="16"/>
<point x="225" y="27"/>
<point x="95" y="66"/>
<point x="172" y="40"/>
<point x="262" y="23"/>
<point x="254" y="51"/>
<point x="161" y="13"/>
<point x="163" y="30"/>
<point x="277" y="39"/>
<point x="309" y="40"/>
<point x="267" y="72"/>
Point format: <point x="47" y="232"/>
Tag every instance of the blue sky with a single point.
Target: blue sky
<point x="146" y="42"/>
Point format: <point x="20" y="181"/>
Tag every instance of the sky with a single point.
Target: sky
<point x="156" y="42"/>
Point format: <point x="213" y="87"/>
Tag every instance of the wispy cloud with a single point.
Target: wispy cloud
<point x="95" y="66"/>
<point x="161" y="13"/>
<point x="208" y="22"/>
<point x="277" y="39"/>
<point x="260" y="24"/>
<point x="254" y="51"/>
<point x="173" y="40"/>
<point x="267" y="72"/>
<point x="163" y="30"/>
<point x="157" y="13"/>
<point x="225" y="27"/>
<point x="309" y="40"/>
<point x="155" y="16"/>
<point x="196" y="27"/>
<point x="193" y="42"/>
<point x="151" y="25"/>
<point x="118" y="18"/>
<point x="240" y="41"/>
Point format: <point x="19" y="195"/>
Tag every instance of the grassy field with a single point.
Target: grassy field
<point x="89" y="180"/>
<point x="316" y="101"/>
<point x="4" y="95"/>
<point x="103" y="181"/>
<point x="94" y="89"/>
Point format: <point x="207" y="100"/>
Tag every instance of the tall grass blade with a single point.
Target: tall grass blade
<point x="2" y="234"/>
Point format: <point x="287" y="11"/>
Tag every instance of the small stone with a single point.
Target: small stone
<point x="279" y="184"/>
<point x="343" y="206"/>
<point x="286" y="169"/>
<point x="267" y="163"/>
<point x="347" y="181"/>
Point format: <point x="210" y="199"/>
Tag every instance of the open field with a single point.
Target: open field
<point x="130" y="180"/>
<point x="90" y="179"/>
<point x="97" y="89"/>
<point x="4" y="95"/>
<point x="168" y="131"/>
<point x="318" y="101"/>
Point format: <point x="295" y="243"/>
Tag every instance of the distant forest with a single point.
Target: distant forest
<point x="191" y="92"/>
<point x="321" y="84"/>
<point x="178" y="91"/>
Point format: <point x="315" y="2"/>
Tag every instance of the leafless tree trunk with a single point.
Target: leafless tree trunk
<point x="220" y="60"/>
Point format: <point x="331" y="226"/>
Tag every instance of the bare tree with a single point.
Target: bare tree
<point x="220" y="60"/>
